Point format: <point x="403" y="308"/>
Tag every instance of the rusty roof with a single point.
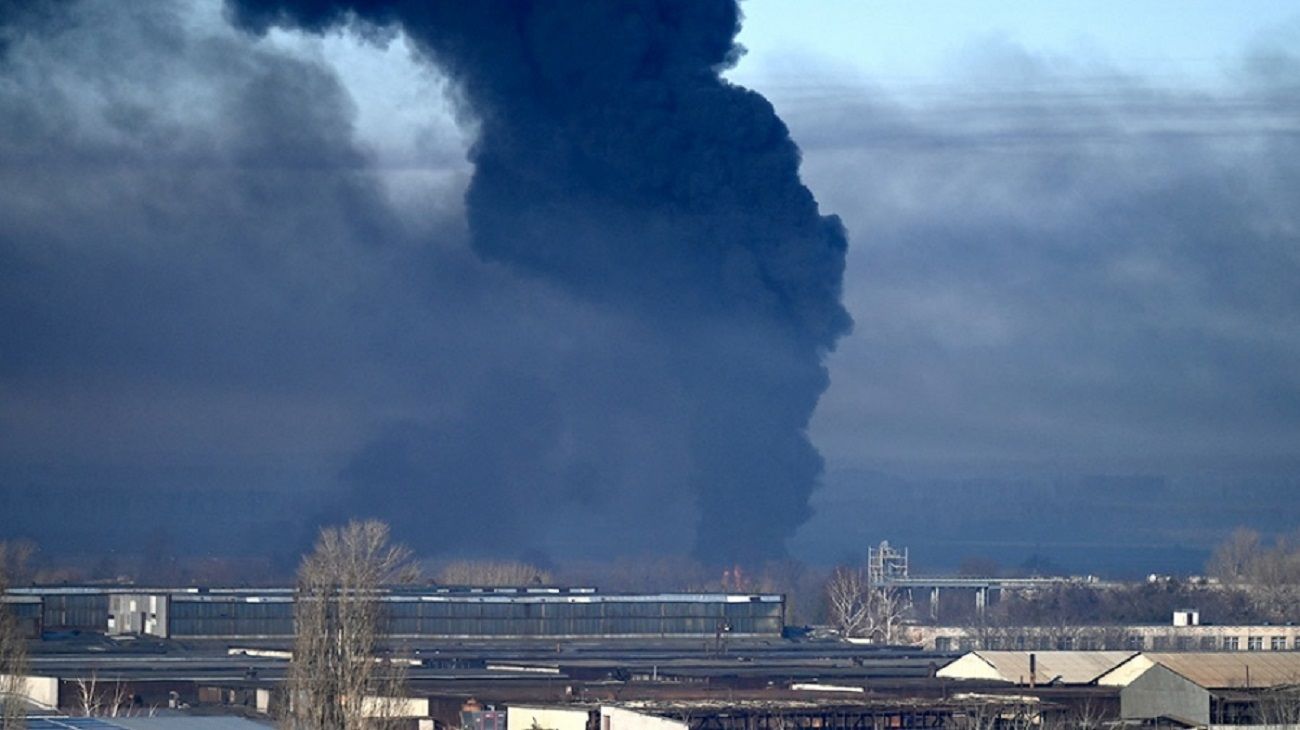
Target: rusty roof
<point x="1059" y="667"/>
<point x="1233" y="669"/>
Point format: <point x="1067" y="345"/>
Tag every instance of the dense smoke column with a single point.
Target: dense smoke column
<point x="612" y="159"/>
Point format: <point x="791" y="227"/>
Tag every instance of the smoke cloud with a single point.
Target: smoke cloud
<point x="243" y="291"/>
<point x="612" y="161"/>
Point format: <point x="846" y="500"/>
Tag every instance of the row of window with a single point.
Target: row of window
<point x="581" y="627"/>
<point x="1134" y="642"/>
<point x="438" y="609"/>
<point x="246" y="627"/>
<point x="492" y="627"/>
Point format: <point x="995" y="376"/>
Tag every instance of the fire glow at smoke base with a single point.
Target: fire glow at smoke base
<point x="613" y="161"/>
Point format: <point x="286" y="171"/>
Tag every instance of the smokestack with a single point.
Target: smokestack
<point x="1033" y="669"/>
<point x="613" y="161"/>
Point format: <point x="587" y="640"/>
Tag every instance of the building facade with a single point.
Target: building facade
<point x="467" y="614"/>
<point x="1142" y="637"/>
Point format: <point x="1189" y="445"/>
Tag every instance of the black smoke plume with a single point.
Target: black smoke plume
<point x="612" y="160"/>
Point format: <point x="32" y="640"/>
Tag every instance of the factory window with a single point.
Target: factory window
<point x="943" y="643"/>
<point x="1135" y="642"/>
<point x="992" y="642"/>
<point x="1296" y="644"/>
<point x="1255" y="643"/>
<point x="1277" y="643"/>
<point x="965" y="644"/>
<point x="1065" y="643"/>
<point x="1160" y="643"/>
<point x="1186" y="643"/>
<point x="1209" y="643"/>
<point x="1231" y="643"/>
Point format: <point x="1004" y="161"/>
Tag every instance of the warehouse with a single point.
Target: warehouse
<point x="71" y="609"/>
<point x="86" y="609"/>
<point x="1195" y="688"/>
<point x="1261" y="688"/>
<point x="463" y="614"/>
<point x="1140" y="690"/>
<point x="26" y="613"/>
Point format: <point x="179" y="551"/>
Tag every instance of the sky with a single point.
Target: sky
<point x="896" y="42"/>
<point x="239" y="280"/>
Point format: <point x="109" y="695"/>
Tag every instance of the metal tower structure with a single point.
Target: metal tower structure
<point x="885" y="564"/>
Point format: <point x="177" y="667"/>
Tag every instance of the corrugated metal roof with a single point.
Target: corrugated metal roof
<point x="970" y="666"/>
<point x="172" y="722"/>
<point x="1224" y="670"/>
<point x="68" y="723"/>
<point x="181" y="722"/>
<point x="1126" y="673"/>
<point x="1062" y="667"/>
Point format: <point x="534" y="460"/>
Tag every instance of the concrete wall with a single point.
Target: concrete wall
<point x="395" y="706"/>
<point x="524" y="717"/>
<point x="617" y="718"/>
<point x="43" y="691"/>
<point x="1159" y="692"/>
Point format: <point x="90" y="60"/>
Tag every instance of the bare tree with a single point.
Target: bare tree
<point x="1270" y="576"/>
<point x="858" y="608"/>
<point x="1279" y="706"/>
<point x="848" y="600"/>
<point x="13" y="645"/>
<point x="492" y="573"/>
<point x="336" y="680"/>
<point x="96" y="701"/>
<point x="1275" y="583"/>
<point x="1233" y="561"/>
<point x="886" y="609"/>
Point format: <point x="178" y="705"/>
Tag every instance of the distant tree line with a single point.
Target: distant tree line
<point x="1247" y="581"/>
<point x="1268" y="575"/>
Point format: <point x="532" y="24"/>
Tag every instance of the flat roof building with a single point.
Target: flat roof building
<point x="415" y="614"/>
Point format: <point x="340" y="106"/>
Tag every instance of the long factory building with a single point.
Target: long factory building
<point x="431" y="613"/>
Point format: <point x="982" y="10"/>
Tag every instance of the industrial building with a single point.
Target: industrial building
<point x="1194" y="689"/>
<point x="425" y="613"/>
<point x="1185" y="636"/>
<point x="26" y="613"/>
<point x="85" y="609"/>
<point x="1147" y="691"/>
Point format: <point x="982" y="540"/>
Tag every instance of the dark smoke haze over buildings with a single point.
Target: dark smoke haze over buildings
<point x="612" y="159"/>
<point x="556" y="289"/>
<point x="613" y="165"/>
